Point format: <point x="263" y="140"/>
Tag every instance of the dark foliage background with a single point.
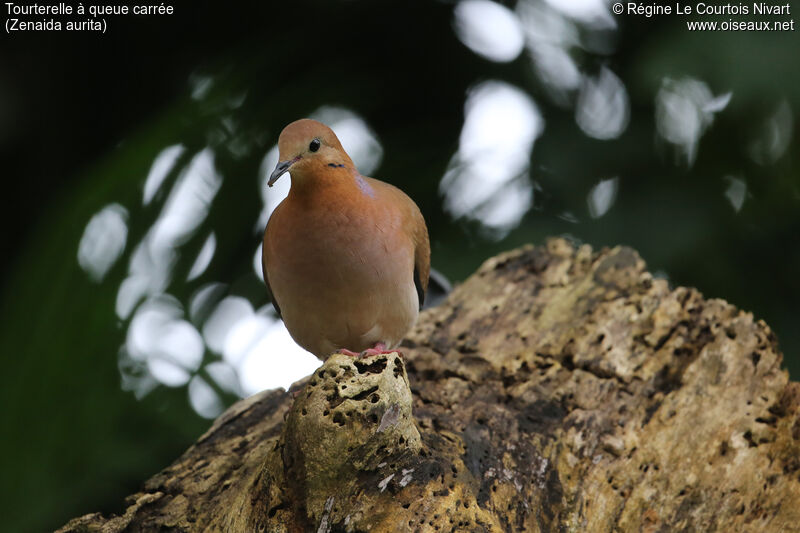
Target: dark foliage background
<point x="83" y="116"/>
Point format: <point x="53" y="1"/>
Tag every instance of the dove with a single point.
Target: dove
<point x="345" y="257"/>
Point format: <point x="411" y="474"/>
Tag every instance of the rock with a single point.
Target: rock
<point x="555" y="390"/>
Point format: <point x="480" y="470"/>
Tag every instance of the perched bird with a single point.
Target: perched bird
<point x="346" y="257"/>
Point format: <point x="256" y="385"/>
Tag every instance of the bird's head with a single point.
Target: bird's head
<point x="307" y="147"/>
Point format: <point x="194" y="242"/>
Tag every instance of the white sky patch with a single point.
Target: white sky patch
<point x="542" y="24"/>
<point x="224" y="376"/>
<point x="166" y="372"/>
<point x="184" y="210"/>
<point x="159" y="170"/>
<point x="103" y="241"/>
<point x="603" y="110"/>
<point x="593" y="14"/>
<point x="489" y="29"/>
<point x="204" y="298"/>
<point x="134" y="375"/>
<point x="602" y="196"/>
<point x="170" y="347"/>
<point x="258" y="266"/>
<point x="131" y="291"/>
<point x="203" y="258"/>
<point x="244" y="335"/>
<point x="773" y="136"/>
<point x="684" y="110"/>
<point x="718" y="103"/>
<point x="200" y="85"/>
<point x="235" y="101"/>
<point x="549" y="35"/>
<point x="555" y="67"/>
<point x="568" y="216"/>
<point x="188" y="203"/>
<point x="230" y="311"/>
<point x="204" y="399"/>
<point x="181" y="343"/>
<point x="256" y="345"/>
<point x="142" y="335"/>
<point x="275" y="361"/>
<point x="736" y="192"/>
<point x="487" y="178"/>
<point x="149" y="273"/>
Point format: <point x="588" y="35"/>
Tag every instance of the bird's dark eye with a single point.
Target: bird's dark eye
<point x="314" y="146"/>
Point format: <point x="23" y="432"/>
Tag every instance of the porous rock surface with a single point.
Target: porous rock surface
<point x="557" y="389"/>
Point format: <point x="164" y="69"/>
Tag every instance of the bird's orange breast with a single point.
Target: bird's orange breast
<point x="340" y="265"/>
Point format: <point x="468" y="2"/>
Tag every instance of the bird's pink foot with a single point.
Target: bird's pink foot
<point x="378" y="349"/>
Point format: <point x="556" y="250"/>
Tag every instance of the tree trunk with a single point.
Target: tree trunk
<point x="555" y="390"/>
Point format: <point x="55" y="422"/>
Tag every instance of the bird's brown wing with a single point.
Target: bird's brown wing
<point x="414" y="225"/>
<point x="422" y="257"/>
<point x="264" y="266"/>
<point x="272" y="296"/>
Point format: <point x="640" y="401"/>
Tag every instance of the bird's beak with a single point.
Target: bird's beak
<point x="280" y="169"/>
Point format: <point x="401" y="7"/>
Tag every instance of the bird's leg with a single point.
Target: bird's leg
<point x="377" y="349"/>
